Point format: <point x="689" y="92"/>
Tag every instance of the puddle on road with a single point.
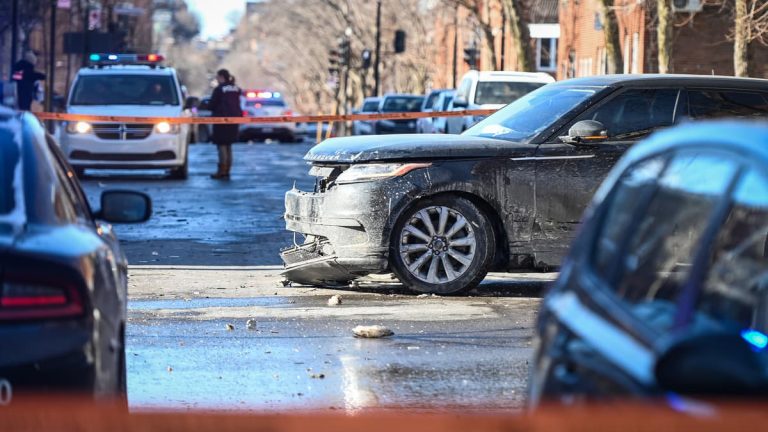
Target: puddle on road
<point x="195" y="303"/>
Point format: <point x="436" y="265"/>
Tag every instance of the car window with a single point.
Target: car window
<point x="9" y="160"/>
<point x="430" y="100"/>
<point x="128" y="89"/>
<point x="371" y="106"/>
<point x="70" y="183"/>
<point x="402" y="104"/>
<point x="735" y="292"/>
<point x="654" y="256"/>
<point x="710" y="104"/>
<point x="502" y="92"/>
<point x="635" y="113"/>
<point x="447" y="102"/>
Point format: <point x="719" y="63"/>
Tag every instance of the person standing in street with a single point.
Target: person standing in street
<point x="25" y="76"/>
<point x="225" y="102"/>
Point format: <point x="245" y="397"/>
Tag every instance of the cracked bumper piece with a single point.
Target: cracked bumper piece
<point x="345" y="230"/>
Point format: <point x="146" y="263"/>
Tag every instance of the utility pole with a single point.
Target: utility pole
<point x="503" y="39"/>
<point x="14" y="35"/>
<point x="86" y="9"/>
<point x="51" y="63"/>
<point x="455" y="44"/>
<point x="376" y="62"/>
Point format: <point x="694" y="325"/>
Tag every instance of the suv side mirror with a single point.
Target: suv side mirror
<point x="120" y="206"/>
<point x="460" y="102"/>
<point x="713" y="364"/>
<point x="586" y="132"/>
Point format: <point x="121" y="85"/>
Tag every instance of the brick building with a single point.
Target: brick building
<point x="700" y="40"/>
<point x="459" y="28"/>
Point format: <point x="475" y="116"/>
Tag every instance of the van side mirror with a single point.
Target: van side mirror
<point x="121" y="206"/>
<point x="713" y="364"/>
<point x="460" y="102"/>
<point x="586" y="132"/>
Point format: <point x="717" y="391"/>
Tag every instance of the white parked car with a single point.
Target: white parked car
<point x="127" y="85"/>
<point x="365" y="127"/>
<point x="491" y="90"/>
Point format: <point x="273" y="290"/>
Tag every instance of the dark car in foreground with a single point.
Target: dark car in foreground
<point x="440" y="211"/>
<point x="665" y="291"/>
<point x="63" y="277"/>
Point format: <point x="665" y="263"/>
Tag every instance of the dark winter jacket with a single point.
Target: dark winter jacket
<point x="25" y="76"/>
<point x="225" y="102"/>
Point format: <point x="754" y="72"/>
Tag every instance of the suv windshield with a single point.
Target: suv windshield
<point x="528" y="116"/>
<point x="502" y="92"/>
<point x="402" y="104"/>
<point x="129" y="89"/>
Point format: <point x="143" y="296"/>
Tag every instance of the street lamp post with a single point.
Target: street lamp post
<point x="14" y="34"/>
<point x="51" y="62"/>
<point x="376" y="78"/>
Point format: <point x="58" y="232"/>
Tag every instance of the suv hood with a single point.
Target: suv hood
<point x="130" y="110"/>
<point x="403" y="147"/>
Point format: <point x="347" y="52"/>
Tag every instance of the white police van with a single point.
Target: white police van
<point x="127" y="85"/>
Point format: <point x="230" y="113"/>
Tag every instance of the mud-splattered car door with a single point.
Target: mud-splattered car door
<point x="567" y="175"/>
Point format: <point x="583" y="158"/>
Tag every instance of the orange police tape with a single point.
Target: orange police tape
<point x="68" y="414"/>
<point x="248" y="120"/>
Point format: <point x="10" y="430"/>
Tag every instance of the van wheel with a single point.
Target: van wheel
<point x="442" y="245"/>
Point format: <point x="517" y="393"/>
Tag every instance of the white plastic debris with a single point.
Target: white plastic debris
<point x="372" y="332"/>
<point x="250" y="324"/>
<point x="335" y="300"/>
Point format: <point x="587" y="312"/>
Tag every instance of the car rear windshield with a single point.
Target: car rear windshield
<point x="371" y="106"/>
<point x="264" y="103"/>
<point x="530" y="115"/>
<point x="502" y="92"/>
<point x="403" y="104"/>
<point x="128" y="89"/>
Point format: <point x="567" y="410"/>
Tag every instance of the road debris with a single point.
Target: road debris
<point x="230" y="327"/>
<point x="372" y="332"/>
<point x="317" y="376"/>
<point x="334" y="300"/>
<point x="250" y="324"/>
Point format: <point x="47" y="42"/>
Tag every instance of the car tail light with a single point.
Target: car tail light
<point x="246" y="113"/>
<point x="35" y="300"/>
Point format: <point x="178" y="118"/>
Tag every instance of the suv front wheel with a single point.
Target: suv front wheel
<point x="442" y="245"/>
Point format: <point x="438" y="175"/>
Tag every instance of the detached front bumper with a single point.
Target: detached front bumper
<point x="346" y="231"/>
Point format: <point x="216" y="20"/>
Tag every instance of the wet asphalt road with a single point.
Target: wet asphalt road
<point x="206" y="263"/>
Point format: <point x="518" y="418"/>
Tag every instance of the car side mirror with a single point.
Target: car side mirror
<point x="120" y="206"/>
<point x="586" y="132"/>
<point x="460" y="103"/>
<point x="714" y="364"/>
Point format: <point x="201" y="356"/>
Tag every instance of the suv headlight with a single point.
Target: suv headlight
<point x="167" y="128"/>
<point x="80" y="127"/>
<point x="377" y="171"/>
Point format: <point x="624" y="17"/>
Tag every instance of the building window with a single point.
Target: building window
<point x="546" y="54"/>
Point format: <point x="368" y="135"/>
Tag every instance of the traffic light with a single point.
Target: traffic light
<point x="344" y="51"/>
<point x="399" y="41"/>
<point x="470" y="57"/>
<point x="334" y="62"/>
<point x="366" y="58"/>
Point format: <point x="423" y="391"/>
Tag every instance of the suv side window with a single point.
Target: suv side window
<point x="635" y="112"/>
<point x="735" y="292"/>
<point x="655" y="251"/>
<point x="711" y="104"/>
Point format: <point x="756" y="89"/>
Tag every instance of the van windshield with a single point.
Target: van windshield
<point x="128" y="89"/>
<point x="528" y="116"/>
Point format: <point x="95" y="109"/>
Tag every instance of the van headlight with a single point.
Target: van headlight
<point x="80" y="127"/>
<point x="167" y="128"/>
<point x="377" y="171"/>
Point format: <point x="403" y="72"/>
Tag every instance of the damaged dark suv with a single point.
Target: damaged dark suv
<point x="440" y="211"/>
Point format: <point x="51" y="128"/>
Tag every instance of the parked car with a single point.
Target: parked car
<point x="665" y="290"/>
<point x="396" y="103"/>
<point x="203" y="132"/>
<point x="440" y="211"/>
<point x="424" y="125"/>
<point x="63" y="276"/>
<point x="444" y="103"/>
<point x="365" y="127"/>
<point x="308" y="131"/>
<point x="265" y="103"/>
<point x="491" y="90"/>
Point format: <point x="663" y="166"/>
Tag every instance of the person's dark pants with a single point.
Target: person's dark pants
<point x="225" y="155"/>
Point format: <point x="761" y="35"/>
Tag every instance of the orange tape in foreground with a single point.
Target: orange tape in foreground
<point x="245" y="120"/>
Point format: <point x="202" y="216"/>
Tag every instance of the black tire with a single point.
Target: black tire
<point x="478" y="230"/>
<point x="182" y="172"/>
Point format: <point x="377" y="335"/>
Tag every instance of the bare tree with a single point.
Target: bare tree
<point x="664" y="35"/>
<point x="611" y="33"/>
<point x="750" y="25"/>
<point x="521" y="37"/>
